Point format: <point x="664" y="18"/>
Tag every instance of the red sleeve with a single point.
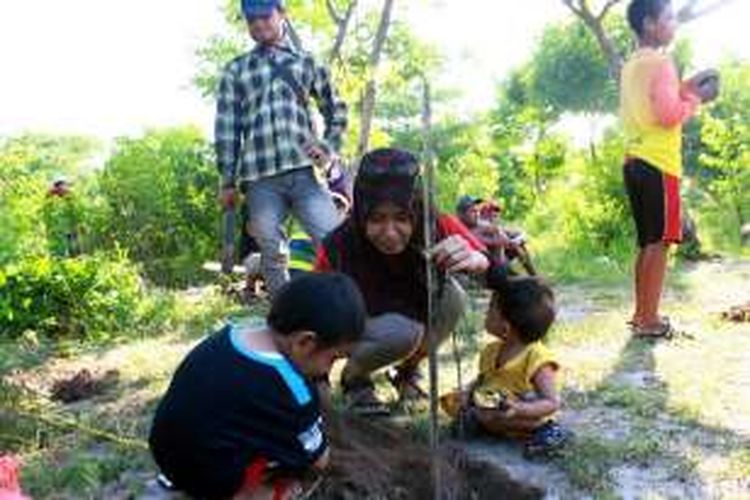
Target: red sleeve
<point x="450" y="225"/>
<point x="673" y="103"/>
<point x="322" y="264"/>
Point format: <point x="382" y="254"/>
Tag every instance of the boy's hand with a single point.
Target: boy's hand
<point x="497" y="236"/>
<point x="706" y="85"/>
<point x="322" y="463"/>
<point x="511" y="408"/>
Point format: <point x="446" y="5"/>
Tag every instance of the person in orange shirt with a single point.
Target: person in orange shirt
<point x="654" y="104"/>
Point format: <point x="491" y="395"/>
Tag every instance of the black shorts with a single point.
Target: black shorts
<point x="654" y="201"/>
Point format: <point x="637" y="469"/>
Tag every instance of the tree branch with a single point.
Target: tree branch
<point x="368" y="100"/>
<point x="333" y="12"/>
<point x="595" y="23"/>
<point x="572" y="6"/>
<point x="341" y="30"/>
<point x="605" y="10"/>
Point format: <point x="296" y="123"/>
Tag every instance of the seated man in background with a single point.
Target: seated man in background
<point x="481" y="217"/>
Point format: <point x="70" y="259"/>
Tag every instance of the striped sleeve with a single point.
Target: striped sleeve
<point x="332" y="107"/>
<point x="228" y="126"/>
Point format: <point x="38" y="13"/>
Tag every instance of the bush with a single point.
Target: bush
<point x="28" y="164"/>
<point x="89" y="297"/>
<point x="160" y="204"/>
<point x="584" y="215"/>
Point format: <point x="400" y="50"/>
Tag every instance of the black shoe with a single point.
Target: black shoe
<point x="406" y="382"/>
<point x="361" y="398"/>
<point x="546" y="440"/>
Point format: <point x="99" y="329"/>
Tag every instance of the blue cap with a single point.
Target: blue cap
<point x="260" y="8"/>
<point x="466" y="202"/>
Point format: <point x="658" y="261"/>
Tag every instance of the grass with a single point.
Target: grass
<point x="681" y="402"/>
<point x="653" y="420"/>
<point x="79" y="450"/>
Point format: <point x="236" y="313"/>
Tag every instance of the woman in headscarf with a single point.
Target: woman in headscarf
<point x="381" y="246"/>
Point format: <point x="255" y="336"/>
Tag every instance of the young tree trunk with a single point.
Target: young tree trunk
<point x="429" y="225"/>
<point x="368" y="98"/>
<point x="427" y="146"/>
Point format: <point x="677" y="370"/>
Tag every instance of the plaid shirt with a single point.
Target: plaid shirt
<point x="262" y="126"/>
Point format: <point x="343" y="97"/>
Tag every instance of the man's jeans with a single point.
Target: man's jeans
<point x="269" y="202"/>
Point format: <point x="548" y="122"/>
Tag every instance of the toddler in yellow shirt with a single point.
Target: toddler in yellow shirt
<point x="515" y="394"/>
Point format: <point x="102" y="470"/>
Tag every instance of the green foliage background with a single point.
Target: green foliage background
<point x="145" y="207"/>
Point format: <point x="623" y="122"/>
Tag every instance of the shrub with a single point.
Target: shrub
<point x="160" y="204"/>
<point x="88" y="297"/>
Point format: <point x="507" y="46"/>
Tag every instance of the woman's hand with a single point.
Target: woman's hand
<point x="454" y="254"/>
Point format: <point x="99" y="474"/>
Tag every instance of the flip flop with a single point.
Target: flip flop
<point x="662" y="319"/>
<point x="662" y="331"/>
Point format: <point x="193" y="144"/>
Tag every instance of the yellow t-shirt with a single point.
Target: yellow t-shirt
<point x="515" y="378"/>
<point x="649" y="79"/>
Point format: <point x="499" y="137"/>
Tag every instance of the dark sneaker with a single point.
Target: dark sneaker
<point x="406" y="382"/>
<point x="546" y="440"/>
<point x="361" y="399"/>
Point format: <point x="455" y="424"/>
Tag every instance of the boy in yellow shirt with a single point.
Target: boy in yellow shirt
<point x="515" y="394"/>
<point x="654" y="104"/>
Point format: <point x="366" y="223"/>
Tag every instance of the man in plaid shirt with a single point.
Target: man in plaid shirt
<point x="265" y="137"/>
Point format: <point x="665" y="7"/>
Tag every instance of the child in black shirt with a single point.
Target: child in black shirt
<point x="241" y="408"/>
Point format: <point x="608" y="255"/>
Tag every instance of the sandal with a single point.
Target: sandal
<point x="406" y="382"/>
<point x="662" y="319"/>
<point x="362" y="400"/>
<point x="659" y="331"/>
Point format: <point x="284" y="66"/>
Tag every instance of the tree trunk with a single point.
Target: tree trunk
<point x="614" y="58"/>
<point x="368" y="99"/>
